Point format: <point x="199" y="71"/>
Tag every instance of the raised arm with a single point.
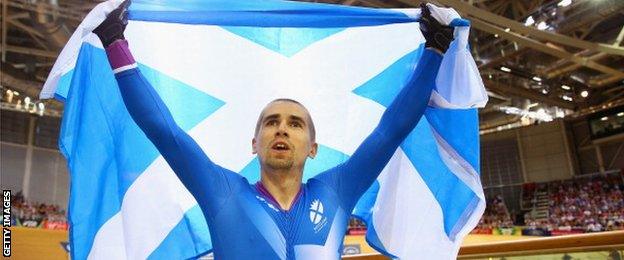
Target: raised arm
<point x="205" y="180"/>
<point x="355" y="176"/>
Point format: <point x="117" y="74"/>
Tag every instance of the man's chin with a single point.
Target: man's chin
<point x="280" y="164"/>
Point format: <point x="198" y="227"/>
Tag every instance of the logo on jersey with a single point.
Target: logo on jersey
<point x="316" y="215"/>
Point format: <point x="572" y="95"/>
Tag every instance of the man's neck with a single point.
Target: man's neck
<point x="282" y="185"/>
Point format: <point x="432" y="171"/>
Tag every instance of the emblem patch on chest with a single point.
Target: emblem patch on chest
<point x="316" y="215"/>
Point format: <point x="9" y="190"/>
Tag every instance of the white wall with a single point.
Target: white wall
<point x="545" y="152"/>
<point x="49" y="179"/>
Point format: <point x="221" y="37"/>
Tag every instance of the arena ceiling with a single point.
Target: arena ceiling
<point x="539" y="59"/>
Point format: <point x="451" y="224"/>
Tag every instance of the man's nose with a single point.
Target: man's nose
<point x="282" y="130"/>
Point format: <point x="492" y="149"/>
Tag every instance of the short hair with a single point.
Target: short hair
<point x="310" y="125"/>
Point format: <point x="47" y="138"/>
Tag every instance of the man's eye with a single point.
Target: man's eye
<point x="295" y="124"/>
<point x="271" y="123"/>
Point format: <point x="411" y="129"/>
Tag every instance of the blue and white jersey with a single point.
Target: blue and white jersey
<point x="251" y="223"/>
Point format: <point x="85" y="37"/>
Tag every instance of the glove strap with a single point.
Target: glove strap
<point x="119" y="56"/>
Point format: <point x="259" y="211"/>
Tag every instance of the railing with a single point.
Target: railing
<point x="590" y="242"/>
<point x="365" y="257"/>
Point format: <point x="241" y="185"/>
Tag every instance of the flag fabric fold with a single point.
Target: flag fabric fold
<point x="216" y="64"/>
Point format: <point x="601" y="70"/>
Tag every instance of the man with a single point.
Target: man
<point x="278" y="217"/>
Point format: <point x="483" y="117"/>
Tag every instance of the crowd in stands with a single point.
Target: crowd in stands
<point x="592" y="205"/>
<point x="496" y="215"/>
<point x="36" y="215"/>
<point x="579" y="205"/>
<point x="356" y="227"/>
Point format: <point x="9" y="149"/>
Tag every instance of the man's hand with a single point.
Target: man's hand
<point x="112" y="28"/>
<point x="438" y="36"/>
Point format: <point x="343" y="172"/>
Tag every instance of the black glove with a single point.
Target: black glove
<point x="438" y="36"/>
<point x="112" y="28"/>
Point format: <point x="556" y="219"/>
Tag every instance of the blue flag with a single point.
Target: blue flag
<point x="216" y="64"/>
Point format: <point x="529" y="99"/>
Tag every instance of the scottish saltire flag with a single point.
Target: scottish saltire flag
<point x="216" y="64"/>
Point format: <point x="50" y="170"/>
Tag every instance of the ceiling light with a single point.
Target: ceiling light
<point x="574" y="77"/>
<point x="542" y="26"/>
<point x="584" y="93"/>
<point x="529" y="21"/>
<point x="544" y="91"/>
<point x="536" y="78"/>
<point x="495" y="35"/>
<point x="620" y="114"/>
<point x="564" y="3"/>
<point x="604" y="119"/>
<point x="505" y="69"/>
<point x="566" y="98"/>
<point x="566" y="87"/>
<point x="490" y="76"/>
<point x="540" y="114"/>
<point x="507" y="29"/>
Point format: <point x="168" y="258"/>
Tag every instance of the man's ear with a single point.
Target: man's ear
<point x="313" y="150"/>
<point x="253" y="146"/>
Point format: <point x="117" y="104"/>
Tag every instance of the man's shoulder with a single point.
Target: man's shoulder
<point x="316" y="182"/>
<point x="316" y="186"/>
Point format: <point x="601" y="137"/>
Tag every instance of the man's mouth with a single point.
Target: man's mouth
<point x="280" y="146"/>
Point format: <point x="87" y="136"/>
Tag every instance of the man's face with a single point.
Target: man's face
<point x="283" y="140"/>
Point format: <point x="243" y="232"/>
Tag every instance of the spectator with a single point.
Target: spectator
<point x="30" y="214"/>
<point x="496" y="215"/>
<point x="587" y="205"/>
